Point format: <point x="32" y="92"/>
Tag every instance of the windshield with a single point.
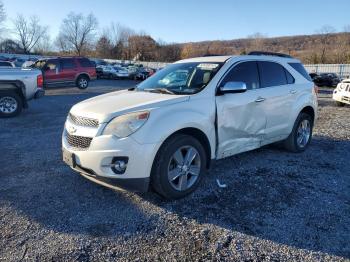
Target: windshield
<point x="181" y="78"/>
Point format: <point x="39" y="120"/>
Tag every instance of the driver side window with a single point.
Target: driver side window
<point x="246" y="72"/>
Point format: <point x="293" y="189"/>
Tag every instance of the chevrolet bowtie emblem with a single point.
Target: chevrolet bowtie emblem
<point x="72" y="130"/>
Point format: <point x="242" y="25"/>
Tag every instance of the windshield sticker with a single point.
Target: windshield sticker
<point x="208" y="66"/>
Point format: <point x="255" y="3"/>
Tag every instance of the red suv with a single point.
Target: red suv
<point x="63" y="71"/>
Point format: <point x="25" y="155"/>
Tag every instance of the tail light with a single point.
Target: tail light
<point x="40" y="81"/>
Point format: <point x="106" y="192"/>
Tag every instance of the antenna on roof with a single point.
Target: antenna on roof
<point x="269" y="54"/>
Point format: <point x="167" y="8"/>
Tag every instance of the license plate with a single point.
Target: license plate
<point x="68" y="158"/>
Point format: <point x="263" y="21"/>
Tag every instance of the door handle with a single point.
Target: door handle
<point x="260" y="99"/>
<point x="292" y="91"/>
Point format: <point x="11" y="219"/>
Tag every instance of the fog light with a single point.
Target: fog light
<point x="119" y="165"/>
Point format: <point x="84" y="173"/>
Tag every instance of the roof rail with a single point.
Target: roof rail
<point x="269" y="54"/>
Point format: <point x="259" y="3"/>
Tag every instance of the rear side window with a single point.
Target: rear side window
<point x="84" y="62"/>
<point x="290" y="78"/>
<point x="272" y="74"/>
<point x="67" y="63"/>
<point x="246" y="72"/>
<point x="301" y="69"/>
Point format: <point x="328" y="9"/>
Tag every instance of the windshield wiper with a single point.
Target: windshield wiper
<point x="160" y="90"/>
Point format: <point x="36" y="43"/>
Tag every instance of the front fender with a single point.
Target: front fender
<point x="165" y="121"/>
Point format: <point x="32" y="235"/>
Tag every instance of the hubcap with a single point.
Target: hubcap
<point x="184" y="168"/>
<point x="304" y="133"/>
<point x="83" y="83"/>
<point x="8" y="105"/>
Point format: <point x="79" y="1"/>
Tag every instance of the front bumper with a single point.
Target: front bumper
<point x="341" y="96"/>
<point x="95" y="162"/>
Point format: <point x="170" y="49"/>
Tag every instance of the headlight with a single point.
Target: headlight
<point x="125" y="125"/>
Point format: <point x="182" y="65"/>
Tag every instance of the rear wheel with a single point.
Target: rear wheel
<point x="301" y="134"/>
<point x="178" y="167"/>
<point x="82" y="82"/>
<point x="11" y="104"/>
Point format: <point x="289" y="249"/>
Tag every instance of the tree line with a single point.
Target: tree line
<point x="79" y="34"/>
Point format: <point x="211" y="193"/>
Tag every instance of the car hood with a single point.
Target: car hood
<point x="107" y="106"/>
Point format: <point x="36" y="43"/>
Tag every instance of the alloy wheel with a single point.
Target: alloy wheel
<point x="184" y="168"/>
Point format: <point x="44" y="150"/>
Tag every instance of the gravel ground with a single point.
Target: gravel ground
<point x="277" y="205"/>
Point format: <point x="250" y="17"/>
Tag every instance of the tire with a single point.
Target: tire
<point x="292" y="142"/>
<point x="82" y="82"/>
<point x="165" y="166"/>
<point x="337" y="103"/>
<point x="11" y="104"/>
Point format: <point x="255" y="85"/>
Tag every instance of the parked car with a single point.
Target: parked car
<point x="141" y="74"/>
<point x="327" y="79"/>
<point x="341" y="94"/>
<point x="7" y="64"/>
<point x="63" y="71"/>
<point x="121" y="72"/>
<point x="17" y="86"/>
<point x="165" y="136"/>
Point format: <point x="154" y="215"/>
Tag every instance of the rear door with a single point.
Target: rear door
<point x="278" y="94"/>
<point x="68" y="70"/>
<point x="241" y="119"/>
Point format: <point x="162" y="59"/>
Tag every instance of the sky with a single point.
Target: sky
<point x="194" y="20"/>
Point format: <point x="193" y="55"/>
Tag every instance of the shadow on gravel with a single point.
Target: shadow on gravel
<point x="37" y="185"/>
<point x="300" y="200"/>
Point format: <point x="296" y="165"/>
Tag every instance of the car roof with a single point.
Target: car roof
<point x="222" y="59"/>
<point x="213" y="59"/>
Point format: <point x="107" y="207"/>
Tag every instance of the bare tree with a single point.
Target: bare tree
<point x="326" y="32"/>
<point x="2" y="13"/>
<point x="77" y="32"/>
<point x="2" y="18"/>
<point x="28" y="32"/>
<point x="257" y="41"/>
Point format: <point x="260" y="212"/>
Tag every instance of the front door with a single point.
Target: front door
<point x="241" y="119"/>
<point x="51" y="72"/>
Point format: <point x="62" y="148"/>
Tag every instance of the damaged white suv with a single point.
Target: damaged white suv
<point x="164" y="133"/>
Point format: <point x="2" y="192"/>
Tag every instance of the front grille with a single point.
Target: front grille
<point x="345" y="99"/>
<point x="83" y="121"/>
<point x="78" y="142"/>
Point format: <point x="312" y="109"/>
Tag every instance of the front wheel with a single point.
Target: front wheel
<point x="178" y="167"/>
<point x="339" y="103"/>
<point x="301" y="134"/>
<point x="11" y="104"/>
<point x="82" y="82"/>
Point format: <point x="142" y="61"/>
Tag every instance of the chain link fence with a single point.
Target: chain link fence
<point x="343" y="70"/>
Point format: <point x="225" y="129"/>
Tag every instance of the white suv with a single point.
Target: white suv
<point x="164" y="133"/>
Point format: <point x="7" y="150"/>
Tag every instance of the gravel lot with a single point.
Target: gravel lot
<point x="277" y="206"/>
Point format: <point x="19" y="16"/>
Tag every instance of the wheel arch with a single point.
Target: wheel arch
<point x="310" y="111"/>
<point x="82" y="74"/>
<point x="17" y="86"/>
<point x="197" y="134"/>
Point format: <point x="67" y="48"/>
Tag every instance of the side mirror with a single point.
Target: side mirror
<point x="233" y="87"/>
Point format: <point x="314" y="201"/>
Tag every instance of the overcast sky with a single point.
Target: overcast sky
<point x="191" y="20"/>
